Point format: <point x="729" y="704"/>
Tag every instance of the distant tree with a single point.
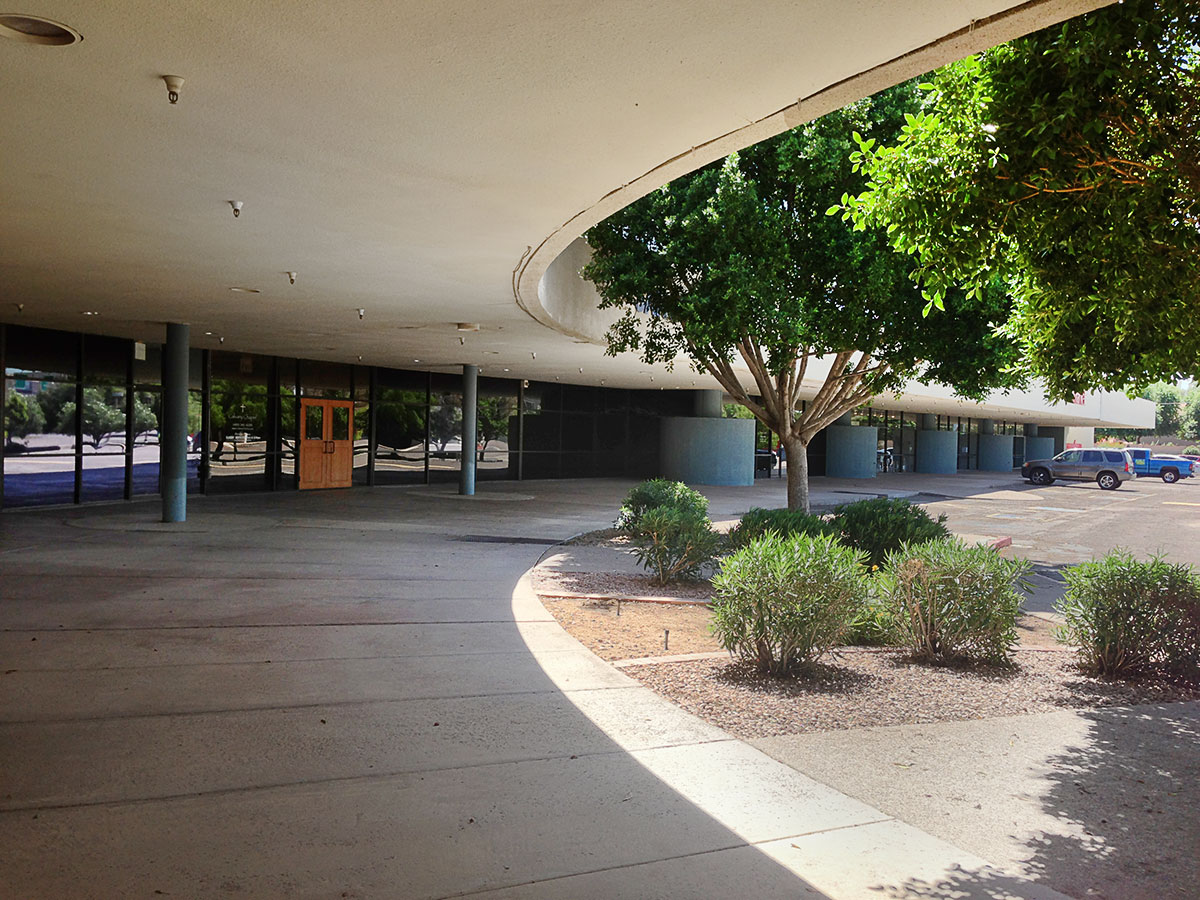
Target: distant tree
<point x="1066" y="164"/>
<point x="445" y="419"/>
<point x="492" y="418"/>
<point x="1168" y="406"/>
<point x="51" y="400"/>
<point x="739" y="260"/>
<point x="1189" y="425"/>
<point x="22" y="417"/>
<point x="103" y="415"/>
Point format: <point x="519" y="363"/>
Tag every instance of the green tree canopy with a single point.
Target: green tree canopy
<point x="739" y="260"/>
<point x="103" y="414"/>
<point x="1067" y="165"/>
<point x="22" y="417"/>
<point x="1168" y="407"/>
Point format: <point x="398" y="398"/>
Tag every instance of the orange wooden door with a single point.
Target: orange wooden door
<point x="339" y="459"/>
<point x="312" y="443"/>
<point x="326" y="443"/>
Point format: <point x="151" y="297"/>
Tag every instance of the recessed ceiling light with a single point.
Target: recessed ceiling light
<point x="208" y="334"/>
<point x="36" y="30"/>
<point x="245" y="290"/>
<point x="416" y="360"/>
<point x="90" y="312"/>
<point x="467" y="326"/>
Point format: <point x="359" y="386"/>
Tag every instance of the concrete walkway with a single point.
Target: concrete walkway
<point x="353" y="694"/>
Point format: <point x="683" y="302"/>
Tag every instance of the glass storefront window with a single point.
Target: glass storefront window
<point x="400" y="421"/>
<point x="38" y="441"/>
<point x="496" y="429"/>
<point x="445" y="434"/>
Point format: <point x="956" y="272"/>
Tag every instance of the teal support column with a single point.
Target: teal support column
<point x="995" y="452"/>
<point x="708" y="404"/>
<point x="466" y="475"/>
<point x="937" y="452"/>
<point x="851" y="451"/>
<point x="173" y="446"/>
<point x="702" y="450"/>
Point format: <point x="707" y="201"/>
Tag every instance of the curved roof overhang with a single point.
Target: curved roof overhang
<point x="424" y="161"/>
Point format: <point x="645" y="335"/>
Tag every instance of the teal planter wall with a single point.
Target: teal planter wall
<point x="850" y="451"/>
<point x="1039" y="448"/>
<point x="937" y="452"/>
<point x="996" y="452"/>
<point x="708" y="451"/>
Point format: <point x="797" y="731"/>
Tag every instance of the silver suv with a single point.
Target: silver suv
<point x="1107" y="467"/>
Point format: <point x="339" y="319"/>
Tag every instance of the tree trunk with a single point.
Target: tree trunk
<point x="797" y="473"/>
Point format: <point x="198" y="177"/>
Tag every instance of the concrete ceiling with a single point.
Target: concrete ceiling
<point x="423" y="161"/>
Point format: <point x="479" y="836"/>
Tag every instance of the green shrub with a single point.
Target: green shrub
<point x="784" y="522"/>
<point x="658" y="493"/>
<point x="883" y="525"/>
<point x="781" y="601"/>
<point x="871" y="625"/>
<point x="1126" y="616"/>
<point x="674" y="543"/>
<point x="1192" y="451"/>
<point x="948" y="600"/>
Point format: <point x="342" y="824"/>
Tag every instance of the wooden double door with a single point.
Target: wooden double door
<point x="326" y="443"/>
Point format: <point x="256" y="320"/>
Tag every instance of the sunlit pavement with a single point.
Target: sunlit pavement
<point x="351" y="694"/>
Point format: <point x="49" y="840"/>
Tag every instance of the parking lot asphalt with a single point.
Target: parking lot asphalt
<point x="1068" y="523"/>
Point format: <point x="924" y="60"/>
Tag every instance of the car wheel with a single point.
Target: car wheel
<point x="1108" y="481"/>
<point x="1170" y="476"/>
<point x="1040" y="476"/>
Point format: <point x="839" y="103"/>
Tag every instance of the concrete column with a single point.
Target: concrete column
<point x="987" y="426"/>
<point x="928" y="422"/>
<point x="707" y="450"/>
<point x="466" y="475"/>
<point x="1039" y="447"/>
<point x="1031" y="430"/>
<point x="995" y="452"/>
<point x="173" y="444"/>
<point x="845" y="419"/>
<point x="937" y="452"/>
<point x="708" y="404"/>
<point x="851" y="451"/>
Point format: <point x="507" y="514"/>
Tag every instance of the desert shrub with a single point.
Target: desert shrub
<point x="780" y="602"/>
<point x="658" y="493"/>
<point x="880" y="526"/>
<point x="1125" y="616"/>
<point x="784" y="522"/>
<point x="948" y="600"/>
<point x="871" y="624"/>
<point x="674" y="543"/>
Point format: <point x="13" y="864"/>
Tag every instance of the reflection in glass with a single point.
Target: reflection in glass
<point x="314" y="423"/>
<point x="39" y="458"/>
<point x="496" y="427"/>
<point x="362" y="428"/>
<point x="400" y="436"/>
<point x="147" y="415"/>
<point x="340" y="423"/>
<point x="237" y="446"/>
<point x="103" y="476"/>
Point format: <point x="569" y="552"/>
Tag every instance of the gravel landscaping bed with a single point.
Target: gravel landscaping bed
<point x="862" y="688"/>
<point x="851" y="688"/>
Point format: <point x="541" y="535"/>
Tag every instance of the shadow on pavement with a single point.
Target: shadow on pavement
<point x="1126" y="798"/>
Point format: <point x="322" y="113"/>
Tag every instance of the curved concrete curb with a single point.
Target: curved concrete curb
<point x="838" y="845"/>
